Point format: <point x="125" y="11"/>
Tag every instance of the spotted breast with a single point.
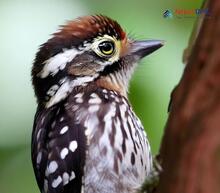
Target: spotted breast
<point x="96" y="139"/>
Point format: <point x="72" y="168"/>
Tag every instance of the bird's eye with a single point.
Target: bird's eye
<point x="107" y="47"/>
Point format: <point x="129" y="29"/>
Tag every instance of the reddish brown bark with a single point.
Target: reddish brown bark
<point x="190" y="149"/>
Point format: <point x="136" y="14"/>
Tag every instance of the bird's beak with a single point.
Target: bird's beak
<point x="143" y="48"/>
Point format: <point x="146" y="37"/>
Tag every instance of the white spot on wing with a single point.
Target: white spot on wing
<point x="39" y="157"/>
<point x="64" y="153"/>
<point x="52" y="167"/>
<point x="64" y="130"/>
<point x="72" y="175"/>
<point x="65" y="178"/>
<point x="38" y="134"/>
<point x="73" y="146"/>
<point x="56" y="182"/>
<point x="42" y="120"/>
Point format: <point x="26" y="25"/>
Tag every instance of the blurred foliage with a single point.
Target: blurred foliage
<point x="25" y="24"/>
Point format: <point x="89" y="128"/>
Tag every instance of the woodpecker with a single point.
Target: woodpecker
<point x="86" y="138"/>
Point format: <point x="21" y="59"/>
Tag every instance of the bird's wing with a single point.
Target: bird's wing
<point x="58" y="151"/>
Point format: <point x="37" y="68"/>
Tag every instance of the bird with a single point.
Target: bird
<point x="86" y="138"/>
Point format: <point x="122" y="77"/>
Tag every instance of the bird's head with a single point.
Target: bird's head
<point x="86" y="51"/>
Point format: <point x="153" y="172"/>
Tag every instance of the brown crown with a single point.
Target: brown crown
<point x="88" y="27"/>
<point x="75" y="32"/>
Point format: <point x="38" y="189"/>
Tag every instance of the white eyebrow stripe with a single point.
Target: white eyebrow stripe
<point x="58" y="62"/>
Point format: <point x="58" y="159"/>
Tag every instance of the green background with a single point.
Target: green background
<point x="25" y="24"/>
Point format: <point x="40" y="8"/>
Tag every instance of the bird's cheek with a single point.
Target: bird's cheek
<point x="87" y="69"/>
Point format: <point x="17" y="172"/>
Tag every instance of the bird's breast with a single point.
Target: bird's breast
<point x="118" y="156"/>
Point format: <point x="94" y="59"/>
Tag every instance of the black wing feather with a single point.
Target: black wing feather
<point x="50" y="142"/>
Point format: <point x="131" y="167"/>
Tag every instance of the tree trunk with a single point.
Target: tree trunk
<point x="190" y="150"/>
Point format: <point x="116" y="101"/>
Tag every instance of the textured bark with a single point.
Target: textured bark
<point x="190" y="150"/>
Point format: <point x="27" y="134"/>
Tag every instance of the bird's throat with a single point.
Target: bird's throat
<point x="110" y="83"/>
